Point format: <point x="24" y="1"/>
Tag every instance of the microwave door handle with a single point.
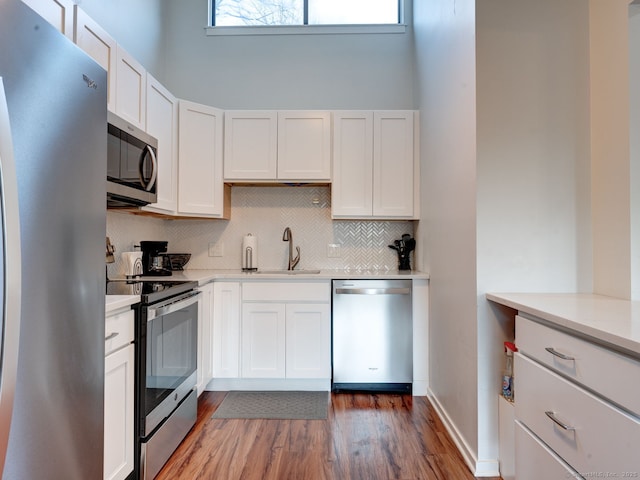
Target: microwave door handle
<point x="154" y="168"/>
<point x="10" y="279"/>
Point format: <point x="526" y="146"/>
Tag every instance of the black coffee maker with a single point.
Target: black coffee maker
<point x="154" y="262"/>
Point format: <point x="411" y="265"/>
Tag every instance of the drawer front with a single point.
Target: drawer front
<point x="286" y="291"/>
<point x="534" y="460"/>
<point x="119" y="330"/>
<point x="600" y="437"/>
<point x="598" y="368"/>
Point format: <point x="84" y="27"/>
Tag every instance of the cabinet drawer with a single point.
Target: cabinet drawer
<point x="119" y="330"/>
<point x="534" y="460"/>
<point x="286" y="292"/>
<point x="598" y="368"/>
<point x="599" y="437"/>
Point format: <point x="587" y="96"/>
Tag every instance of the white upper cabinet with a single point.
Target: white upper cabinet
<point x="131" y="89"/>
<point x="352" y="186"/>
<point x="304" y="145"/>
<point x="277" y="146"/>
<point x="100" y="46"/>
<point x="201" y="191"/>
<point x="393" y="164"/>
<point x="250" y="145"/>
<point x="162" y="123"/>
<point x="375" y="171"/>
<point x="58" y="13"/>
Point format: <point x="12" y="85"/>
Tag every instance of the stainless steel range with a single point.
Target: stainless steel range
<point x="166" y="360"/>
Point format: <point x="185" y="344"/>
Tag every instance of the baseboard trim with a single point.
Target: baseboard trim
<point x="479" y="468"/>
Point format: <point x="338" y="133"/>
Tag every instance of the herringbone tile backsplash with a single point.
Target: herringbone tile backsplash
<point x="265" y="212"/>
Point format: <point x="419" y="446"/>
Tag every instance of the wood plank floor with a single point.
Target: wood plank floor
<point x="365" y="437"/>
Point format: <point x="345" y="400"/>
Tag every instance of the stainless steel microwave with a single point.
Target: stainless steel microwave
<point x="132" y="165"/>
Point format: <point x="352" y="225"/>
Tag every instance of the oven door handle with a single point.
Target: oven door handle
<point x="173" y="306"/>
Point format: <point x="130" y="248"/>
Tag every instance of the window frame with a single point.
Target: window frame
<point x="324" y="29"/>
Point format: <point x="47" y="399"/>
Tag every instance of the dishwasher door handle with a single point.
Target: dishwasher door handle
<point x="373" y="291"/>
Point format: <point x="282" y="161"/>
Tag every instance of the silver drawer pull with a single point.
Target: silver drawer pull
<point x="113" y="335"/>
<point x="552" y="416"/>
<point x="556" y="353"/>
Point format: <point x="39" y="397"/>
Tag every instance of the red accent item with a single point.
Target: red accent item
<point x="511" y="346"/>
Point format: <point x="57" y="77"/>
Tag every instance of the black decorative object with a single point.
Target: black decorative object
<point x="404" y="247"/>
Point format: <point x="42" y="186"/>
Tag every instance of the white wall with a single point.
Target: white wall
<point x="533" y="164"/>
<point x="445" y="43"/>
<point x="285" y="71"/>
<point x="634" y="154"/>
<point x="610" y="147"/>
<point x="136" y="25"/>
<point x="506" y="190"/>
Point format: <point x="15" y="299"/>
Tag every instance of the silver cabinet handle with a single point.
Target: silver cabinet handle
<point x="556" y="353"/>
<point x="112" y="335"/>
<point x="552" y="416"/>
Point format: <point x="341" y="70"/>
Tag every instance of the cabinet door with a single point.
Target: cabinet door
<point x="263" y="340"/>
<point x="162" y="123"/>
<point x="304" y="145"/>
<point x="131" y="87"/>
<point x="393" y="164"/>
<point x="205" y="358"/>
<point x="58" y="13"/>
<point x="250" y="145"/>
<point x="118" y="414"/>
<point x="100" y="46"/>
<point x="352" y="185"/>
<point x="226" y="329"/>
<point x="200" y="184"/>
<point x="308" y="341"/>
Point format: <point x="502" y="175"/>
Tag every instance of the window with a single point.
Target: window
<point x="231" y="13"/>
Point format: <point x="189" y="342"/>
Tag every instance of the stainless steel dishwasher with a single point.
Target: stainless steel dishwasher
<point x="372" y="335"/>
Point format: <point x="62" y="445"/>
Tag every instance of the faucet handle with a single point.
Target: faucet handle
<point x="296" y="260"/>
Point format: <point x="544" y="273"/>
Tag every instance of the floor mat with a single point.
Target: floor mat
<point x="295" y="405"/>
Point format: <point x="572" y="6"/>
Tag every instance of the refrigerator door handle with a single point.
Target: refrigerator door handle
<point x="11" y="276"/>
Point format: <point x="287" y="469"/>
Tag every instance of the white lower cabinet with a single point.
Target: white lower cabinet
<point x="205" y="321"/>
<point x="118" y="396"/>
<point x="271" y="331"/>
<point x="564" y="406"/>
<point x="307" y="334"/>
<point x="263" y="340"/>
<point x="286" y="340"/>
<point x="226" y="329"/>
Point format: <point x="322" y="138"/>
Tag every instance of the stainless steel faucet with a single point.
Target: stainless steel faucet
<point x="287" y="236"/>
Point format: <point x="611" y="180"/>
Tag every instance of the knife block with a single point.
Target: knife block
<point x="404" y="260"/>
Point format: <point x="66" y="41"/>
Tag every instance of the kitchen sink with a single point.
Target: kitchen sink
<point x="288" y="272"/>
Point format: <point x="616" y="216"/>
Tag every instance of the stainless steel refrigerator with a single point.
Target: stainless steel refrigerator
<point x="53" y="143"/>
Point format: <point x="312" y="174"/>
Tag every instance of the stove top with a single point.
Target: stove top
<point x="150" y="291"/>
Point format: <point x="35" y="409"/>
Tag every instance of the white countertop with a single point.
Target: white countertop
<point x="206" y="276"/>
<point x="606" y="319"/>
<point x="116" y="302"/>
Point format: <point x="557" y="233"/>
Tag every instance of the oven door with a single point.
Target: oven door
<point x="169" y="361"/>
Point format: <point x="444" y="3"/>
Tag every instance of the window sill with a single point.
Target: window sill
<point x="306" y="30"/>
